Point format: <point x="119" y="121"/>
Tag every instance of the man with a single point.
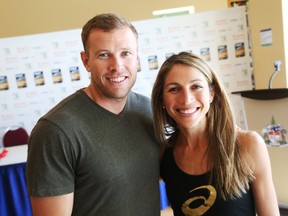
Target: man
<point x="95" y="152"/>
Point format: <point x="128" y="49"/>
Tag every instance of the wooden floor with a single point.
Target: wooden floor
<point x="167" y="212"/>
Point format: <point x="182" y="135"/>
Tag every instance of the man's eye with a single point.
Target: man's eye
<point x="126" y="53"/>
<point x="103" y="55"/>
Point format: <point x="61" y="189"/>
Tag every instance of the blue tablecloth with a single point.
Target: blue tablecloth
<point x="164" y="203"/>
<point x="14" y="199"/>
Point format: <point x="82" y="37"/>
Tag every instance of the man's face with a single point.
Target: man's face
<point x="112" y="59"/>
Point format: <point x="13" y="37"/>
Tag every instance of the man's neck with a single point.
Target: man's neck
<point x="111" y="104"/>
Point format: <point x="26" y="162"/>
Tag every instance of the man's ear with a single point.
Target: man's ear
<point x="84" y="58"/>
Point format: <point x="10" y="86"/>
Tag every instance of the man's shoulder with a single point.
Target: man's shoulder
<point x="134" y="96"/>
<point x="65" y="106"/>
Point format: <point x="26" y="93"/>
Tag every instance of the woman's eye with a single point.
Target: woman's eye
<point x="174" y="89"/>
<point x="196" y="87"/>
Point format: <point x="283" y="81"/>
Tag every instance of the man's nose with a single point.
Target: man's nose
<point x="116" y="64"/>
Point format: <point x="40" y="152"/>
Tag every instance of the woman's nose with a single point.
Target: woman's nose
<point x="187" y="97"/>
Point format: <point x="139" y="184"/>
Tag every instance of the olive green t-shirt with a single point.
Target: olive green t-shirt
<point x="110" y="162"/>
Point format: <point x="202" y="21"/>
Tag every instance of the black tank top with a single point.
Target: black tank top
<point x="191" y="195"/>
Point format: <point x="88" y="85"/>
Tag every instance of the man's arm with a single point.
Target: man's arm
<point x="55" y="205"/>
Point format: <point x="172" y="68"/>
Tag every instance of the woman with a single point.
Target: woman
<point x="209" y="166"/>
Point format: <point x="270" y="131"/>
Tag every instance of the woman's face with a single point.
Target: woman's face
<point x="187" y="96"/>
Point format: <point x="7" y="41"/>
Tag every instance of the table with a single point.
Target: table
<point x="15" y="155"/>
<point x="14" y="199"/>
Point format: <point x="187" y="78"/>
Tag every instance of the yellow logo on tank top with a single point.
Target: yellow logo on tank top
<point x="208" y="199"/>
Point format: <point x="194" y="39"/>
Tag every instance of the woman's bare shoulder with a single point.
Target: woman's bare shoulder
<point x="255" y="148"/>
<point x="250" y="140"/>
<point x="248" y="135"/>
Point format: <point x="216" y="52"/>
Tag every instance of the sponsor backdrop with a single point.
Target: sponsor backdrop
<point x="37" y="71"/>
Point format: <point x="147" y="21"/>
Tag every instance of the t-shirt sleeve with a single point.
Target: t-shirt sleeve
<point x="51" y="161"/>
